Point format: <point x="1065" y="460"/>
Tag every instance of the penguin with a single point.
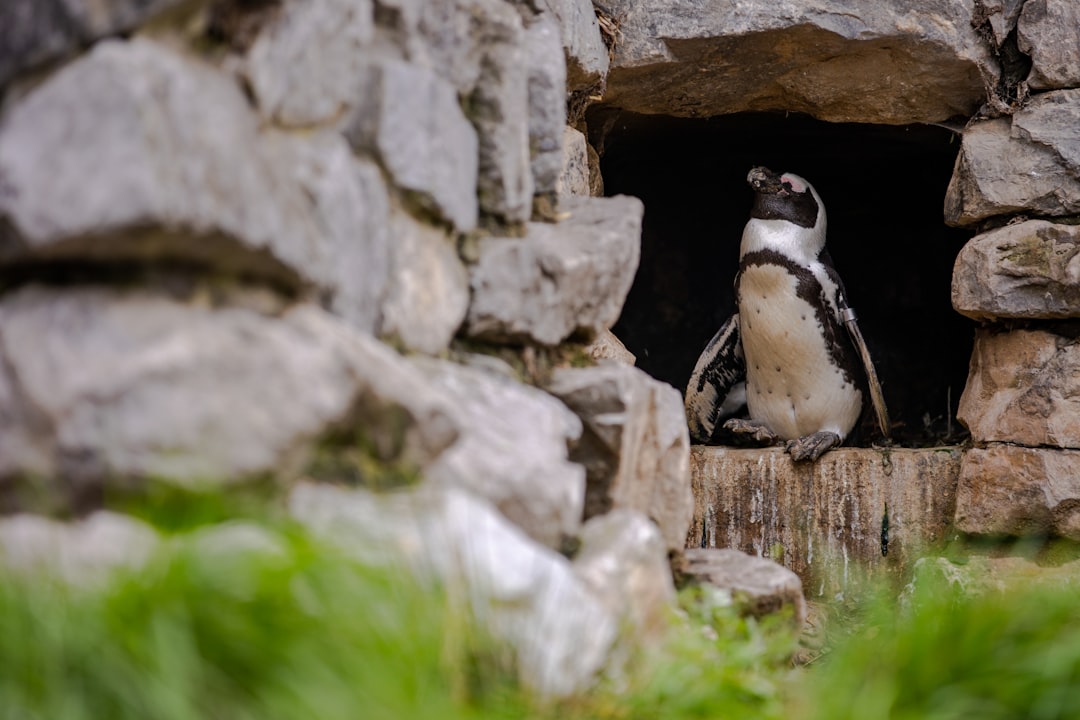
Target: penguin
<point x="792" y="352"/>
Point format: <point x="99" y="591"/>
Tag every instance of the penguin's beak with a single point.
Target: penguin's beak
<point x="764" y="180"/>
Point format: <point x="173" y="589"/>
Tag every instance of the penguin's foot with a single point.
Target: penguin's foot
<point x="752" y="430"/>
<point x="812" y="446"/>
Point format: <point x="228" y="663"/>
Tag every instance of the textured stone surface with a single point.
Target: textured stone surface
<point x="561" y="278"/>
<point x="624" y="562"/>
<point x="547" y="103"/>
<point x="513" y="449"/>
<point x="836" y="60"/>
<point x="1024" y="388"/>
<point x="38" y="31"/>
<point x="819" y="518"/>
<point x="1049" y="31"/>
<point x="428" y="293"/>
<point x="107" y="385"/>
<point x="138" y="153"/>
<point x="1001" y="15"/>
<point x="1027" y="163"/>
<point x="979" y="575"/>
<point x="635" y="449"/>
<point x="525" y="594"/>
<point x="608" y="347"/>
<point x="411" y="120"/>
<point x="81" y="552"/>
<point x="1030" y="270"/>
<point x="758" y="586"/>
<point x="1011" y="490"/>
<point x="574" y="177"/>
<point x="586" y="55"/>
<point x="302" y="68"/>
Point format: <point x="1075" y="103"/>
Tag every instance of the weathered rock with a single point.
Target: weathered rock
<point x="1001" y="15"/>
<point x="831" y="59"/>
<point x="1030" y="270"/>
<point x="411" y="120"/>
<point x="428" y="294"/>
<point x="116" y="386"/>
<point x="758" y="587"/>
<point x="302" y="68"/>
<point x="980" y="575"/>
<point x="1023" y="388"/>
<point x="525" y="594"/>
<point x="512" y="450"/>
<point x="82" y="552"/>
<point x="547" y="103"/>
<point x="818" y="518"/>
<point x="624" y="562"/>
<point x="1049" y="31"/>
<point x="1011" y="490"/>
<point x="138" y="153"/>
<point x="587" y="58"/>
<point x="561" y="278"/>
<point x="1028" y="163"/>
<point x="635" y="449"/>
<point x="574" y="178"/>
<point x="608" y="347"/>
<point x="38" y="31"/>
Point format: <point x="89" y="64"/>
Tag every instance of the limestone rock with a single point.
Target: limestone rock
<point x="561" y="278"/>
<point x="817" y="518"/>
<point x="410" y="119"/>
<point x="1011" y="490"/>
<point x="587" y="58"/>
<point x="1049" y="31"/>
<point x="512" y="451"/>
<point x="428" y="294"/>
<point x="525" y="594"/>
<point x="1001" y="15"/>
<point x="136" y="152"/>
<point x="39" y="31"/>
<point x="636" y="448"/>
<point x="624" y="562"/>
<point x="608" y="347"/>
<point x="1027" y="163"/>
<point x="120" y="385"/>
<point x="758" y="586"/>
<point x="302" y="68"/>
<point x="836" y="61"/>
<point x="980" y="575"/>
<point x="547" y="103"/>
<point x="1023" y="388"/>
<point x="574" y="178"/>
<point x="1030" y="270"/>
<point x="82" y="552"/>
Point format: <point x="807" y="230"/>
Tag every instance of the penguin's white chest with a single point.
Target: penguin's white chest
<point x="792" y="383"/>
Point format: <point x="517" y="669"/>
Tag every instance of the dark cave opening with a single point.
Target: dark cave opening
<point x="883" y="189"/>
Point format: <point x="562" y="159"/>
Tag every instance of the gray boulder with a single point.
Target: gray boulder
<point x="522" y="593"/>
<point x="104" y="386"/>
<point x="1029" y="270"/>
<point x="605" y="346"/>
<point x="547" y="103"/>
<point x="1029" y="163"/>
<point x="574" y="175"/>
<point x="561" y="278"/>
<point x="587" y="58"/>
<point x="409" y="118"/>
<point x="428" y="292"/>
<point x="836" y="60"/>
<point x="757" y="586"/>
<point x="1012" y="490"/>
<point x="1049" y="31"/>
<point x="636" y="448"/>
<point x="1023" y="388"/>
<point x="513" y="449"/>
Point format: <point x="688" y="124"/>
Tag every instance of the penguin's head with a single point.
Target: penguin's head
<point x="785" y="197"/>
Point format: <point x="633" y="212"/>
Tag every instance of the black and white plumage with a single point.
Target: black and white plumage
<point x="792" y="351"/>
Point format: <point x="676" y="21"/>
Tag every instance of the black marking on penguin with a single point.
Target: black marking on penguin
<point x="809" y="290"/>
<point x="776" y="199"/>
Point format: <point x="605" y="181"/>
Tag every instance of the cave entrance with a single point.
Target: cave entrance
<point x="883" y="188"/>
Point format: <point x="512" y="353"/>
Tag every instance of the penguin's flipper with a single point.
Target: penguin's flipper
<point x="876" y="396"/>
<point x="717" y="388"/>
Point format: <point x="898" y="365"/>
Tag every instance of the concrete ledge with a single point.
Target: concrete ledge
<point x="823" y="520"/>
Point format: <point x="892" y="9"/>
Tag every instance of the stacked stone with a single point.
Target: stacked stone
<point x="236" y="236"/>
<point x="1020" y="175"/>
